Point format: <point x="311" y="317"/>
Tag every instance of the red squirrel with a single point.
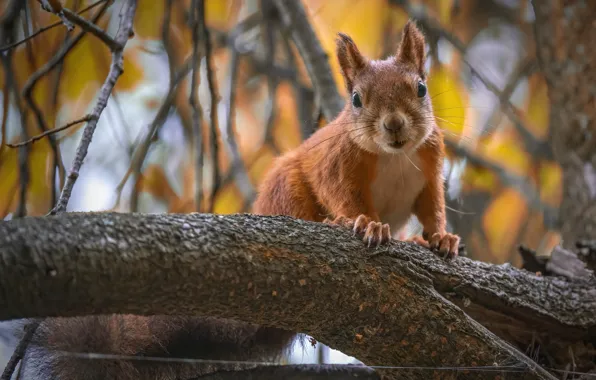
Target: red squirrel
<point x="378" y="162"/>
<point x="372" y="167"/>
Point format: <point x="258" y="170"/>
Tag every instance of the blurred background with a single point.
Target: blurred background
<point x="256" y="101"/>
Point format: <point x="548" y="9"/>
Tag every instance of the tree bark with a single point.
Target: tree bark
<point x="565" y="34"/>
<point x="389" y="305"/>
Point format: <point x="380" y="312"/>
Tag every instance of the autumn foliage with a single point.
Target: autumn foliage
<point x="489" y="100"/>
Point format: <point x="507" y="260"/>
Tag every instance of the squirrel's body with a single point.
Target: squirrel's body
<point x="378" y="162"/>
<point x="328" y="167"/>
<point x="375" y="165"/>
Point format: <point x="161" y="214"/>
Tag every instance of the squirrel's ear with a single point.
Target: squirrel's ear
<point x="411" y="47"/>
<point x="350" y="59"/>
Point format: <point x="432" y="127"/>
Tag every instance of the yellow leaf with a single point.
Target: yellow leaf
<point x="220" y="14"/>
<point x="81" y="85"/>
<point x="261" y="164"/>
<point x="444" y="8"/>
<point x="149" y="19"/>
<point x="38" y="190"/>
<point x="477" y="178"/>
<point x="228" y="200"/>
<point x="505" y="149"/>
<point x="286" y="132"/>
<point x="550" y="178"/>
<point x="449" y="100"/>
<point x="537" y="106"/>
<point x="155" y="182"/>
<point x="350" y="17"/>
<point x="502" y="221"/>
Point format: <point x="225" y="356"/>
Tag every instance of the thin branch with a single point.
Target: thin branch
<point x="140" y="153"/>
<point x="27" y="91"/>
<point x="55" y="7"/>
<point x="5" y="105"/>
<point x="272" y="82"/>
<point x="197" y="25"/>
<point x="213" y="117"/>
<point x="116" y="69"/>
<point x="316" y="60"/>
<point x="237" y="168"/>
<point x="52" y="131"/>
<point x="8" y="32"/>
<point x="524" y="68"/>
<point x="113" y="44"/>
<point x="138" y="161"/>
<point x="46" y="28"/>
<point x="20" y="349"/>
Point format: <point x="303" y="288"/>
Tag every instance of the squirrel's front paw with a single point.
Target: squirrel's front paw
<point x="372" y="233"/>
<point x="447" y="244"/>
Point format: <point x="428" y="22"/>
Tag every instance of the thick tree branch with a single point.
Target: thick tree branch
<point x="389" y="305"/>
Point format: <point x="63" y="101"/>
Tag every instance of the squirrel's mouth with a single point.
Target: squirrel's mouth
<point x="398" y="144"/>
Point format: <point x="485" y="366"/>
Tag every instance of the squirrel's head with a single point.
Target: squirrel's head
<point x="390" y="107"/>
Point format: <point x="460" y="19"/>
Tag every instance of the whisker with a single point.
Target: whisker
<point x="411" y="162"/>
<point x="459" y="211"/>
<point x="339" y="134"/>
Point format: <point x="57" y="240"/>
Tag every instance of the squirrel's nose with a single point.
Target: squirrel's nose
<point x="393" y="124"/>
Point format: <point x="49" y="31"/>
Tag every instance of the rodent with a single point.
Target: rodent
<point x="378" y="162"/>
<point x="370" y="169"/>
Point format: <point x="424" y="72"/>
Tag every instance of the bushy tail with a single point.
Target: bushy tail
<point x="158" y="336"/>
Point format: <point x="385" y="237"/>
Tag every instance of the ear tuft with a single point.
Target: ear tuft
<point x="351" y="61"/>
<point x="411" y="47"/>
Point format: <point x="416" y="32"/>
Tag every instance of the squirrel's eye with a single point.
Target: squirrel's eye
<point x="356" y="102"/>
<point x="421" y="89"/>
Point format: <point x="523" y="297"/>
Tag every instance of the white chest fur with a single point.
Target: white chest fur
<point x="398" y="183"/>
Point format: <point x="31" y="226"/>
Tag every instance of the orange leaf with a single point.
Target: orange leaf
<point x="504" y="148"/>
<point x="38" y="190"/>
<point x="228" y="200"/>
<point x="155" y="182"/>
<point x="550" y="178"/>
<point x="537" y="115"/>
<point x="502" y="221"/>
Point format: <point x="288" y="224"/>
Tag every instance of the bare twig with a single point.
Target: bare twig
<point x="46" y="28"/>
<point x="93" y="29"/>
<point x="197" y="21"/>
<point x="137" y="162"/>
<point x="27" y="91"/>
<point x="237" y="168"/>
<point x="524" y="68"/>
<point x="295" y="19"/>
<point x="304" y="95"/>
<point x="140" y="153"/>
<point x="213" y="125"/>
<point x="55" y="7"/>
<point x="20" y="349"/>
<point x="8" y="32"/>
<point x="52" y="131"/>
<point x="116" y="69"/>
<point x="269" y="44"/>
<point x="5" y="105"/>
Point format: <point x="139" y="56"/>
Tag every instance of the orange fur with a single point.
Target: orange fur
<point x="378" y="162"/>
